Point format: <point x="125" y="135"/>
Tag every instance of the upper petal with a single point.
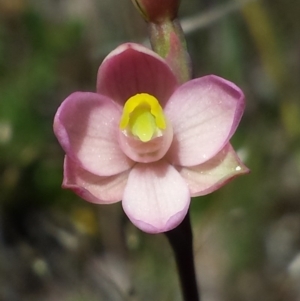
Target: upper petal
<point x="92" y="188"/>
<point x="211" y="175"/>
<point x="156" y="198"/>
<point x="86" y="125"/>
<point x="131" y="69"/>
<point x="204" y="113"/>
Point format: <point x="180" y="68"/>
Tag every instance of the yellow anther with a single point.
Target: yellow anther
<point x="143" y="116"/>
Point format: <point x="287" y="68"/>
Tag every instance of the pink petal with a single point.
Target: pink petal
<point x="86" y="125"/>
<point x="156" y="198"/>
<point x="211" y="175"/>
<point x="205" y="113"/>
<point x="92" y="188"/>
<point x="132" y="69"/>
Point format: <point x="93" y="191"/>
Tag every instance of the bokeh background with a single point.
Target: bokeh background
<point x="57" y="247"/>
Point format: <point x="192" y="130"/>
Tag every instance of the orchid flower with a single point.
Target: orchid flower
<point x="147" y="140"/>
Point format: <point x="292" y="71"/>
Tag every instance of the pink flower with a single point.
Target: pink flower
<point x="148" y="141"/>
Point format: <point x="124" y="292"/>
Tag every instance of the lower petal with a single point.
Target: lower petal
<point x="211" y="175"/>
<point x="93" y="188"/>
<point x="156" y="197"/>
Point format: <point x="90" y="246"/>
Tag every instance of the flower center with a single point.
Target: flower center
<point x="145" y="134"/>
<point x="143" y="117"/>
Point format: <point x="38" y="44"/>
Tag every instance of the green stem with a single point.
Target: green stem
<point x="167" y="40"/>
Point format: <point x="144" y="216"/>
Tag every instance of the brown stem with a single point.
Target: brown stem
<point x="181" y="241"/>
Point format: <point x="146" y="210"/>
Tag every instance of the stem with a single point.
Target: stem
<point x="181" y="241"/>
<point x="167" y="40"/>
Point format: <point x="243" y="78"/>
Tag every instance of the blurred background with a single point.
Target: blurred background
<point x="55" y="246"/>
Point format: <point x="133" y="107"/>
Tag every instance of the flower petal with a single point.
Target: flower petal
<point x="86" y="125"/>
<point x="92" y="188"/>
<point x="156" y="198"/>
<point x="211" y="175"/>
<point x="205" y="113"/>
<point x="132" y="69"/>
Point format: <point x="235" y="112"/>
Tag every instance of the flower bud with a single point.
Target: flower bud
<point x="157" y="11"/>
